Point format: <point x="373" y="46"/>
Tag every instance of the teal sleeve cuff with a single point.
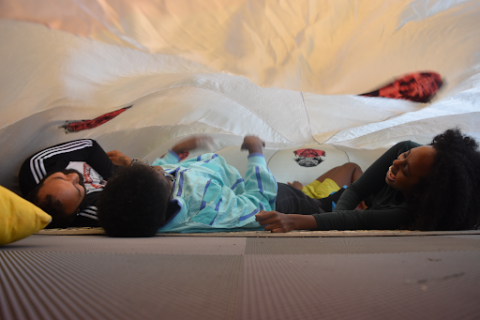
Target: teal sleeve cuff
<point x="257" y="159"/>
<point x="173" y="154"/>
<point x="169" y="158"/>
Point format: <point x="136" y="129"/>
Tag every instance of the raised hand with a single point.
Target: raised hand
<point x="198" y="141"/>
<point x="253" y="144"/>
<point x="118" y="158"/>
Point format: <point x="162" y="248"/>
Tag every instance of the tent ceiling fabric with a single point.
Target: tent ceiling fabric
<point x="288" y="71"/>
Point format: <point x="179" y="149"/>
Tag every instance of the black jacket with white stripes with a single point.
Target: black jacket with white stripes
<point x="57" y="158"/>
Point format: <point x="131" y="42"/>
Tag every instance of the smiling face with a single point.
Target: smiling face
<point x="65" y="186"/>
<point x="410" y="168"/>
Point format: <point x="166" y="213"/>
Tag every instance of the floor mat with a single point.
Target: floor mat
<point x="177" y="277"/>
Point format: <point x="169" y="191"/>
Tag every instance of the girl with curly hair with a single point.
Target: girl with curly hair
<point x="414" y="187"/>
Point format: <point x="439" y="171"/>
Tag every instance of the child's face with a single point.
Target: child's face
<point x="67" y="187"/>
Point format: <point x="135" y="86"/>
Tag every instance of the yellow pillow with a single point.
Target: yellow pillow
<point x="18" y="217"/>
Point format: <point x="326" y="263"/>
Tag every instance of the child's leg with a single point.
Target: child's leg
<point x="292" y="200"/>
<point x="343" y="175"/>
<point x="330" y="181"/>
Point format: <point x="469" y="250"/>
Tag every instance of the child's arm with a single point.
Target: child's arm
<point x="188" y="144"/>
<point x="279" y="222"/>
<point x="386" y="219"/>
<point x="253" y="145"/>
<point x="118" y="158"/>
<point x="192" y="143"/>
<point x="260" y="184"/>
<point x="276" y="221"/>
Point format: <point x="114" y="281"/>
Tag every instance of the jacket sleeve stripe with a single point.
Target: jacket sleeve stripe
<point x="90" y="210"/>
<point x="86" y="215"/>
<point x="36" y="162"/>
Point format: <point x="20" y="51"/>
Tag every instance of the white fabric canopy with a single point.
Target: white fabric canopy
<point x="287" y="71"/>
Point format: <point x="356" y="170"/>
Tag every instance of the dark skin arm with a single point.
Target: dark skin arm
<point x="188" y="144"/>
<point x="192" y="143"/>
<point x="272" y="220"/>
<point x="253" y="144"/>
<point x="118" y="158"/>
<point x="277" y="222"/>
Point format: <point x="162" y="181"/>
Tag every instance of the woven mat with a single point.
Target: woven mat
<point x="265" y="234"/>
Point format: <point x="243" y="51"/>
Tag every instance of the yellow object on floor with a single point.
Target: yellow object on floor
<point x="18" y="217"/>
<point x="319" y="190"/>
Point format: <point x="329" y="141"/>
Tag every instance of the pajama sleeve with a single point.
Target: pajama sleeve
<point x="169" y="158"/>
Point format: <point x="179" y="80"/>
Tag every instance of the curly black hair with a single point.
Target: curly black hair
<point x="448" y="198"/>
<point x="52" y="206"/>
<point x="134" y="202"/>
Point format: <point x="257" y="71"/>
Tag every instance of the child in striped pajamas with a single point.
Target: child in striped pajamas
<point x="203" y="194"/>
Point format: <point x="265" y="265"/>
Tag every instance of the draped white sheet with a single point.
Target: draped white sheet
<point x="288" y="71"/>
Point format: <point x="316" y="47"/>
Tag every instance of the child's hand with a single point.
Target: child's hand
<point x="192" y="143"/>
<point x="118" y="158"/>
<point x="253" y="144"/>
<point x="296" y="185"/>
<point x="275" y="221"/>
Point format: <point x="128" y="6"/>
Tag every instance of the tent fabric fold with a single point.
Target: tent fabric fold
<point x="289" y="72"/>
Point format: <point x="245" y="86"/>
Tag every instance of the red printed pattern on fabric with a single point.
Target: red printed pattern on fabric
<point x="309" y="157"/>
<point x="417" y="87"/>
<point x="87" y="176"/>
<point x="75" y="126"/>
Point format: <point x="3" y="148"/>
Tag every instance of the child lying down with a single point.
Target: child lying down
<point x="204" y="194"/>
